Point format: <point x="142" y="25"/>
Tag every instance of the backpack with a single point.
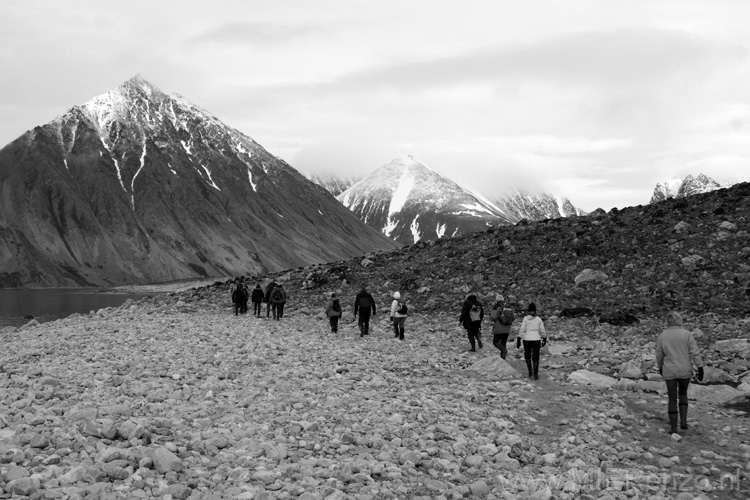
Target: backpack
<point x="475" y="313"/>
<point x="402" y="309"/>
<point x="506" y="317"/>
<point x="336" y="306"/>
<point x="276" y="295"/>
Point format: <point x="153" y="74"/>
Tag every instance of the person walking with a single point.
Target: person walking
<point x="472" y="314"/>
<point x="257" y="299"/>
<point x="502" y="319"/>
<point x="676" y="352"/>
<point x="333" y="311"/>
<point x="238" y="297"/>
<point x="399" y="311"/>
<point x="278" y="300"/>
<point x="364" y="305"/>
<point x="269" y="289"/>
<point x="245" y="295"/>
<point x="534" y="337"/>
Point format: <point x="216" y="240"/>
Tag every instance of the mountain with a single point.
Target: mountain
<point x="334" y="184"/>
<point x="522" y="204"/>
<point x="408" y="201"/>
<point x="680" y="188"/>
<point x="139" y="186"/>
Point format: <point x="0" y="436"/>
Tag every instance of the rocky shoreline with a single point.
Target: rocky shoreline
<point x="174" y="397"/>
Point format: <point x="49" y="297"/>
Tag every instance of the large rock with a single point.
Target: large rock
<point x="731" y="345"/>
<point x="713" y="375"/>
<point x="631" y="369"/>
<point x="559" y="348"/>
<point x="590" y="275"/>
<point x="166" y="461"/>
<point x="495" y="368"/>
<point x="715" y="394"/>
<point x="586" y="377"/>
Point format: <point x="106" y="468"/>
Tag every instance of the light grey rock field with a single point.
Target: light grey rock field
<point x="178" y="398"/>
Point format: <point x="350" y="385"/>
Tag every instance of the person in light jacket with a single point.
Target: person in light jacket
<point x="398" y="318"/>
<point x="534" y="337"/>
<point x="676" y="352"/>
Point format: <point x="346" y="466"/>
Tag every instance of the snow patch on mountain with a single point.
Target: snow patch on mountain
<point x="682" y="187"/>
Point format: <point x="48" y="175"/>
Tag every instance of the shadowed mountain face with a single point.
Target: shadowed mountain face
<point x="138" y="186"/>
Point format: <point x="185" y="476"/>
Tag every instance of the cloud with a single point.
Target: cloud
<point x="252" y="34"/>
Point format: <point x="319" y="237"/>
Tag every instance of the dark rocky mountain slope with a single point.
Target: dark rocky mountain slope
<point x="687" y="254"/>
<point x="138" y="186"/>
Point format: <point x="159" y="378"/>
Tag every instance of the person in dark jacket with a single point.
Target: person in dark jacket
<point x="333" y="311"/>
<point x="245" y="295"/>
<point x="238" y="297"/>
<point x="269" y="289"/>
<point x="502" y="319"/>
<point x="257" y="300"/>
<point x="471" y="317"/>
<point x="278" y="300"/>
<point x="676" y="352"/>
<point x="364" y="305"/>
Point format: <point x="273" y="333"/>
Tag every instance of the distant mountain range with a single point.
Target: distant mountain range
<point x="139" y="186"/>
<point x="682" y="187"/>
<point x="409" y="202"/>
<point x="334" y="184"/>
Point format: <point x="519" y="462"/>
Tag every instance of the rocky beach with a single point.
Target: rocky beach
<point x="173" y="396"/>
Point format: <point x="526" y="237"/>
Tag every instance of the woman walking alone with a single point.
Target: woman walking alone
<point x="333" y="311"/>
<point x="399" y="312"/>
<point x="676" y="352"/>
<point x="534" y="337"/>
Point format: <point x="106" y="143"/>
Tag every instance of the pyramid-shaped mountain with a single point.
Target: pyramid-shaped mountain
<point x="408" y="201"/>
<point x="139" y="186"/>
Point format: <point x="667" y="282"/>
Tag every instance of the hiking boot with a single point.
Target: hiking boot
<point x="479" y="341"/>
<point x="473" y="349"/>
<point x="401" y="337"/>
<point x="673" y="423"/>
<point x="683" y="417"/>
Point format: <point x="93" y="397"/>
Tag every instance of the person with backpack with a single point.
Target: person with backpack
<point x="238" y="297"/>
<point x="269" y="289"/>
<point x="245" y="295"/>
<point x="278" y="299"/>
<point x="257" y="299"/>
<point x="502" y="318"/>
<point x="364" y="305"/>
<point x="676" y="353"/>
<point x="471" y="317"/>
<point x="534" y="337"/>
<point x="399" y="311"/>
<point x="333" y="311"/>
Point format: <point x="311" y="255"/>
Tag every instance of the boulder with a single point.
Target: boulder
<point x="713" y="375"/>
<point x="166" y="461"/>
<point x="590" y="275"/>
<point x="586" y="377"/>
<point x="731" y="345"/>
<point x="559" y="348"/>
<point x="494" y="368"/>
<point x="631" y="370"/>
<point x="715" y="394"/>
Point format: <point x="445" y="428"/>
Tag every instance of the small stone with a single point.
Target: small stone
<point x="166" y="461"/>
<point x="180" y="491"/>
<point x="24" y="486"/>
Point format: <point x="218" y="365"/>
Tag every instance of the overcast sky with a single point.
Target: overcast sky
<point x="593" y="100"/>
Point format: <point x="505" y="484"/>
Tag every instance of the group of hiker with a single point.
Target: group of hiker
<point x="274" y="296"/>
<point x="676" y="348"/>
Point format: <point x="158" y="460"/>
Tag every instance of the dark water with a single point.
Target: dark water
<point x="54" y="303"/>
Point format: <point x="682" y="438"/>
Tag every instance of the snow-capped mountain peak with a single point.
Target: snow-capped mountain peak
<point x="408" y="200"/>
<point x="680" y="188"/>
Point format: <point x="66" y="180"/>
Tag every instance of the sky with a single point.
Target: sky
<point x="593" y="100"/>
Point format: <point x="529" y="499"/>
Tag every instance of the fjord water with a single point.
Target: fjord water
<point x="49" y="304"/>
